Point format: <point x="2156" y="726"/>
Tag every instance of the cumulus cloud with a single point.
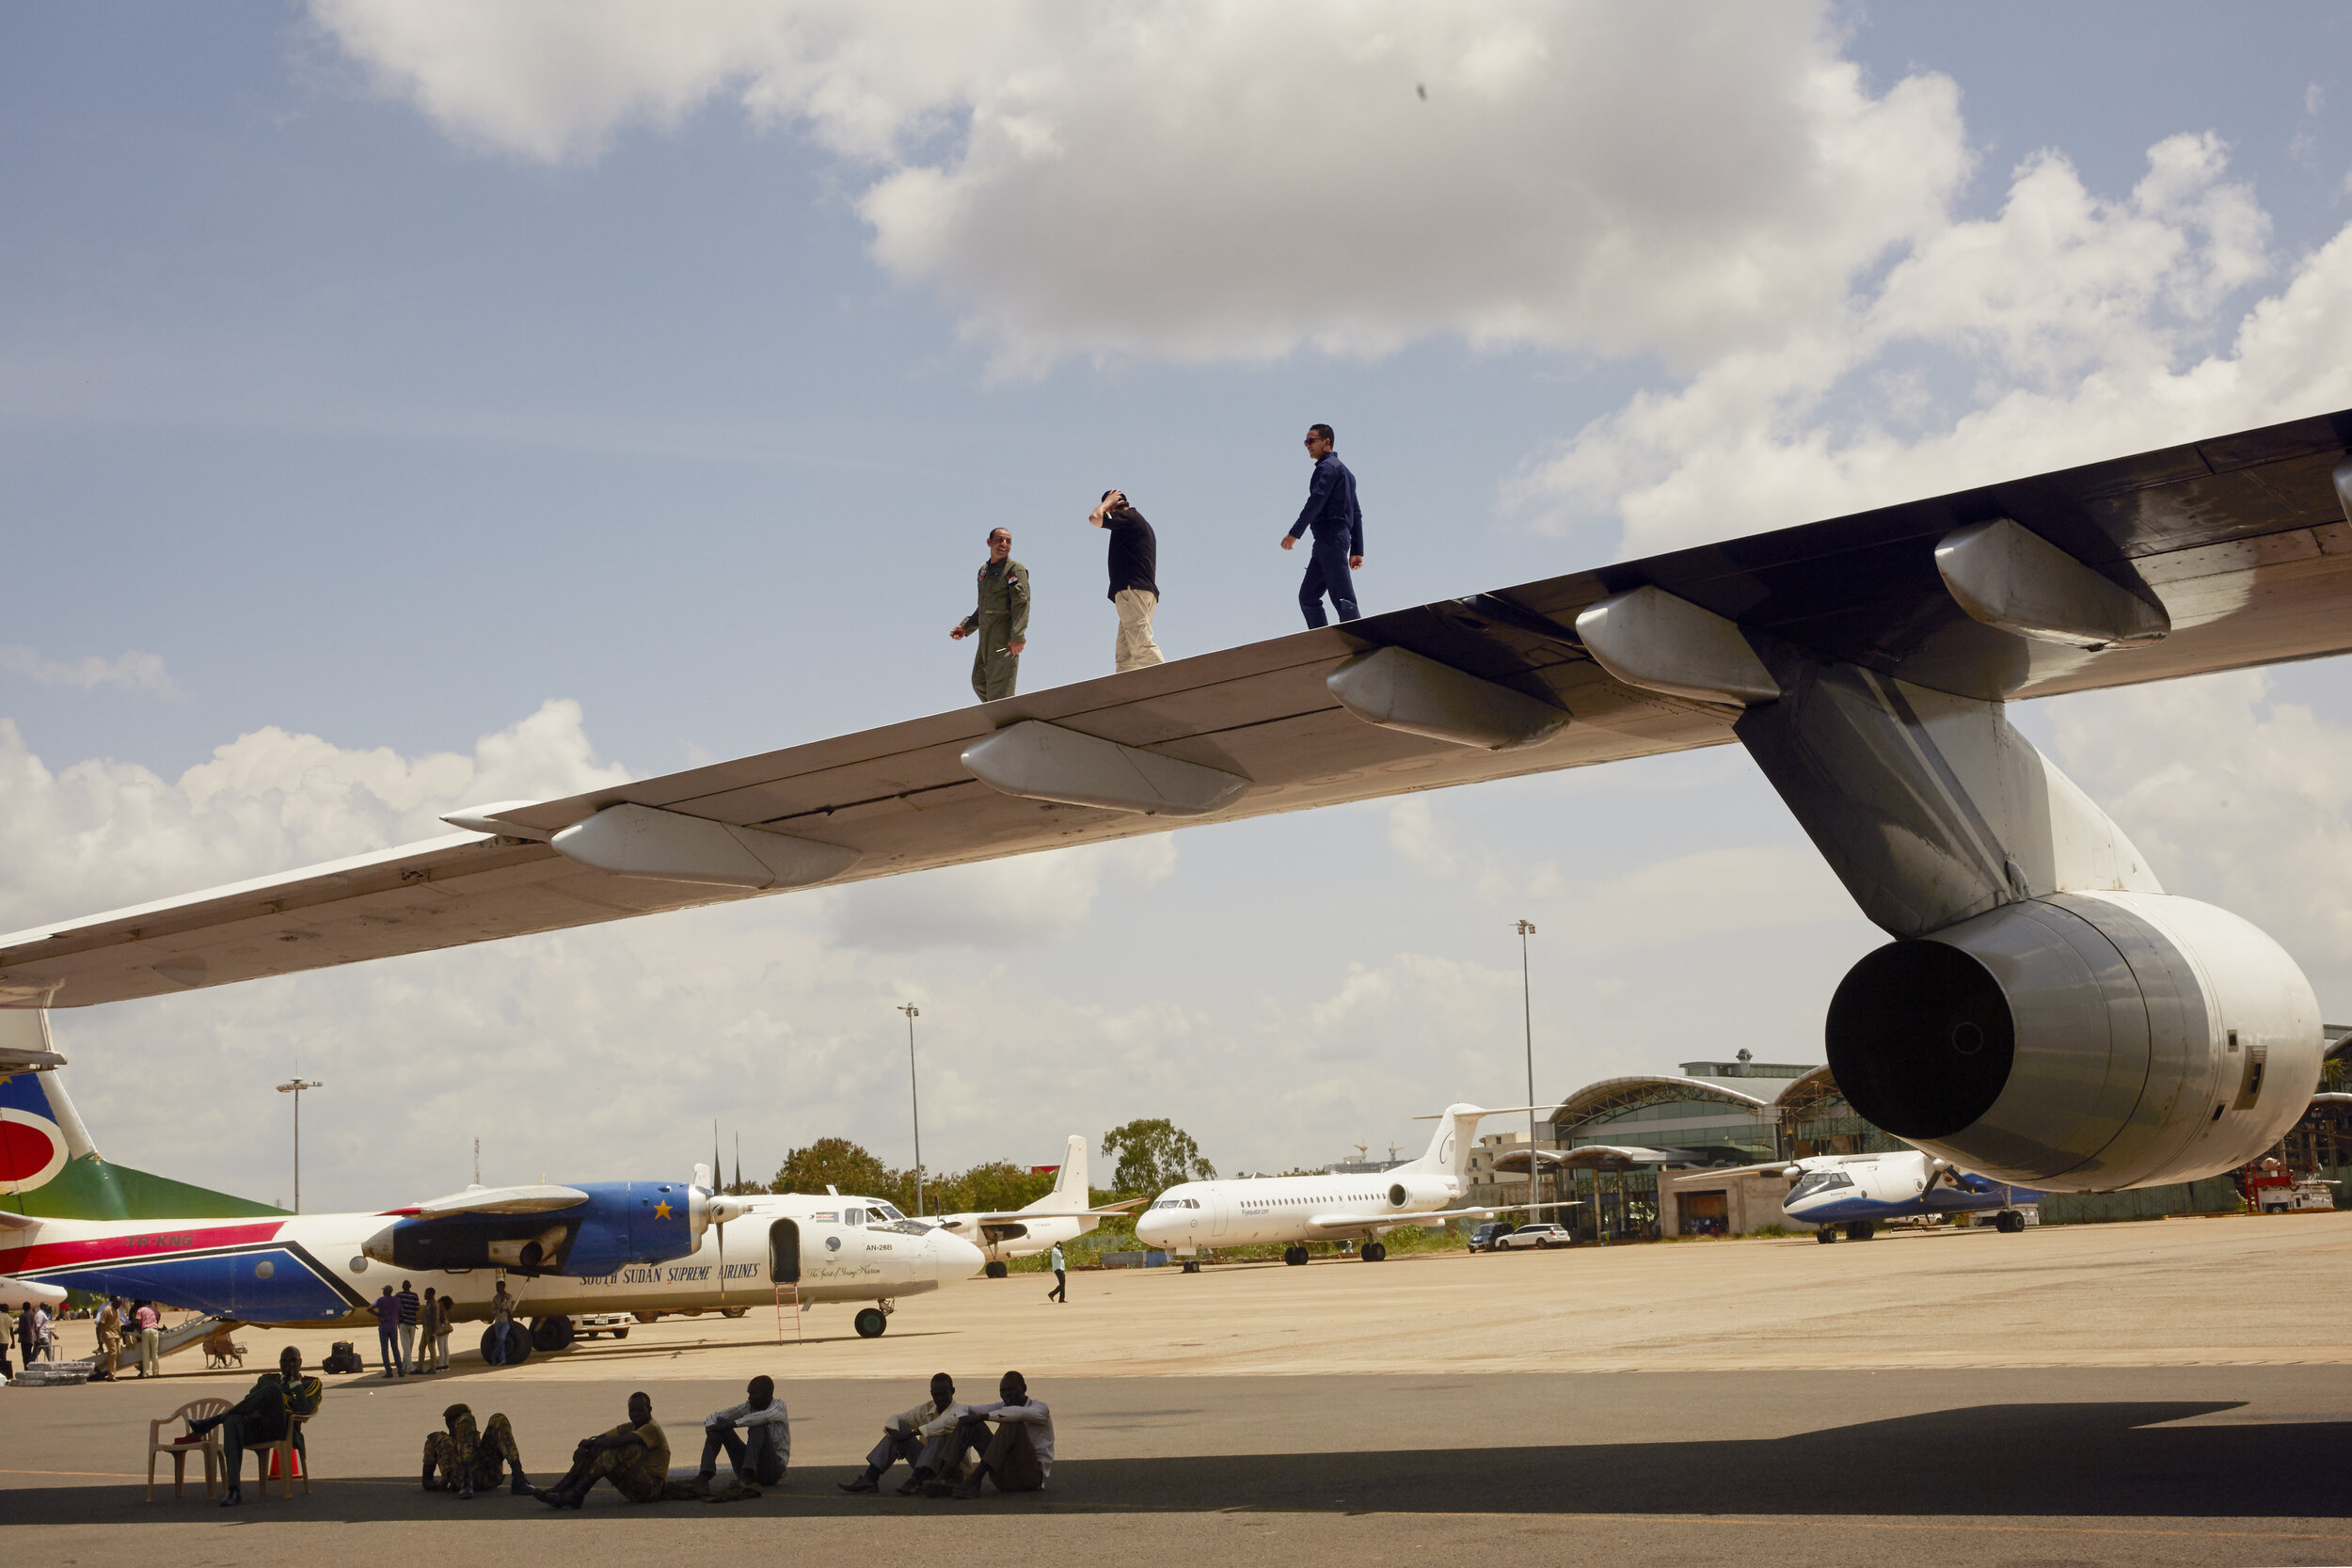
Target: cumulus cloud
<point x="2065" y="328"/>
<point x="100" y="834"/>
<point x="2234" y="797"/>
<point x="1006" y="903"/>
<point x="131" y="671"/>
<point x="1229" y="179"/>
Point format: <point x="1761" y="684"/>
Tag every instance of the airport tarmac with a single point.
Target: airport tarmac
<point x="2168" y="1392"/>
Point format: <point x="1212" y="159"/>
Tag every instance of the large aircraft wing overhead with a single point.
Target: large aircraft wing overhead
<point x="497" y="1200"/>
<point x="2241" y="539"/>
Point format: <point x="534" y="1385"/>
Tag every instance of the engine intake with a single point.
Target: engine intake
<point x="2081" y="1042"/>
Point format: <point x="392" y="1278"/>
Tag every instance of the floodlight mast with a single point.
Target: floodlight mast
<point x="295" y="1086"/>
<point x="1527" y="1019"/>
<point x="915" y="1102"/>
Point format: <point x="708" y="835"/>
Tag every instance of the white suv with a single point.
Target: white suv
<point x="1541" y="1235"/>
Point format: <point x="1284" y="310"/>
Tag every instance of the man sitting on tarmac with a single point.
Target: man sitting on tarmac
<point x="1018" y="1456"/>
<point x="633" y="1456"/>
<point x="901" y="1439"/>
<point x="261" y="1417"/>
<point x="757" y="1435"/>
<point x="458" y="1459"/>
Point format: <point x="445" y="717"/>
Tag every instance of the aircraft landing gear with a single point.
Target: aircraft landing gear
<point x="1827" y="1234"/>
<point x="871" y="1321"/>
<point x="1860" y="1230"/>
<point x="996" y="1269"/>
<point x="1293" y="1256"/>
<point x="2008" y="1222"/>
<point x="1375" y="1252"/>
<point x="1192" y="1265"/>
<point x="511" y="1349"/>
<point x="550" y="1333"/>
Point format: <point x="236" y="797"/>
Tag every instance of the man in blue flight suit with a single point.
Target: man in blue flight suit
<point x="1338" y="523"/>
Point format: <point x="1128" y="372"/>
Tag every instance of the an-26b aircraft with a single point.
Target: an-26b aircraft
<point x="69" y="1219"/>
<point x="2046" y="1013"/>
<point x="1194" y="1217"/>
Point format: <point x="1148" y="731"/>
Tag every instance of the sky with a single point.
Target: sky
<point x="406" y="404"/>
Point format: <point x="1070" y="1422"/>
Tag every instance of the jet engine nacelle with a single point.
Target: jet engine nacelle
<point x="1418" y="1192"/>
<point x="2081" y="1042"/>
<point x="620" y="1223"/>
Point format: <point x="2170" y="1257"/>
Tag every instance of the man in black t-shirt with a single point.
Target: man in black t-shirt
<point x="1136" y="592"/>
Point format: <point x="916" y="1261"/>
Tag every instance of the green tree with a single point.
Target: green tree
<point x="1154" y="1154"/>
<point x="836" y="1162"/>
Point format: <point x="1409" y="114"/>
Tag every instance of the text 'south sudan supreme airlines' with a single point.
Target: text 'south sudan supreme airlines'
<point x="2047" y="1014"/>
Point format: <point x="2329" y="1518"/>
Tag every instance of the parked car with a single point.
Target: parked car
<point x="1544" y="1234"/>
<point x="1486" y="1236"/>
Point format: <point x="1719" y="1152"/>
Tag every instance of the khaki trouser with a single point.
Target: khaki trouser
<point x="1135" y="649"/>
<point x="150" y="1353"/>
<point x="995" y="669"/>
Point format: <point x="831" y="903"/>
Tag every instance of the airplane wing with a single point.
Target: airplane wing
<point x="1598" y="1157"/>
<point x="1777" y="1167"/>
<point x="2242" y="538"/>
<point x="1357" y="1222"/>
<point x="496" y="1201"/>
<point x="1015" y="1216"/>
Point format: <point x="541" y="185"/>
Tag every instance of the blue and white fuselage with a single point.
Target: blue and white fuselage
<point x="1842" y="1189"/>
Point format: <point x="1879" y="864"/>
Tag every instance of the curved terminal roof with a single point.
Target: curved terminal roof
<point x="1612" y="1096"/>
<point x="1809" y="1097"/>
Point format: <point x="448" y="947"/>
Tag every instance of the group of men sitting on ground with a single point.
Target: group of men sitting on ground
<point x="949" y="1449"/>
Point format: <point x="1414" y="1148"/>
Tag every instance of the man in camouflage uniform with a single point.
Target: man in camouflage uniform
<point x="1001" y="622"/>
<point x="458" y="1459"/>
<point x="633" y="1456"/>
<point x="262" y="1417"/>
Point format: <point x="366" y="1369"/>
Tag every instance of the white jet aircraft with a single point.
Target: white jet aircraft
<point x="1193" y="1217"/>
<point x="1858" y="1191"/>
<point x="1061" y="1215"/>
<point x="2045" y="1013"/>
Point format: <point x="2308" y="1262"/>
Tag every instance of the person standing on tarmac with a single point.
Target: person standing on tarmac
<point x="1338" y="522"/>
<point x="1060" y="1292"/>
<point x="1001" y="621"/>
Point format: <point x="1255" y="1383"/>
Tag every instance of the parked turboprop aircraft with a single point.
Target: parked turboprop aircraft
<point x="72" y="1220"/>
<point x="2046" y="1015"/>
<point x="1193" y="1217"/>
<point x="1061" y="1215"/>
<point x="1858" y="1191"/>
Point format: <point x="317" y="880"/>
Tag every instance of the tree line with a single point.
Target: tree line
<point x="1148" y="1155"/>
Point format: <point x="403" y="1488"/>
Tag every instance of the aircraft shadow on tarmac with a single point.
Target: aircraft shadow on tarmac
<point x="2062" y="1460"/>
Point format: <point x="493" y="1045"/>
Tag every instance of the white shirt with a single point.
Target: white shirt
<point x="1034" y="1414"/>
<point x="742" y="1416"/>
<point x="1058" y="1267"/>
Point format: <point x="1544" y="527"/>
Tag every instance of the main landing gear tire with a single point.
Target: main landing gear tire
<point x="1375" y="1251"/>
<point x="513" y="1354"/>
<point x="622" y="1331"/>
<point x="1293" y="1256"/>
<point x="1192" y="1265"/>
<point x="1860" y="1230"/>
<point x="550" y="1333"/>
<point x="1826" y="1234"/>
<point x="2008" y="1222"/>
<point x="725" y="1312"/>
<point x="996" y="1269"/>
<point x="871" y="1321"/>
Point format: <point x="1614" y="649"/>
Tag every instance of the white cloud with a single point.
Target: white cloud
<point x="1006" y="903"/>
<point x="100" y="834"/>
<point x="2234" y="798"/>
<point x="131" y="671"/>
<point x="1413" y="834"/>
<point x="1231" y="179"/>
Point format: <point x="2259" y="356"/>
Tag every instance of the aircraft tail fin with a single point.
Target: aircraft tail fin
<point x="1450" y="1145"/>
<point x="1070" y="1193"/>
<point x="51" y="1168"/>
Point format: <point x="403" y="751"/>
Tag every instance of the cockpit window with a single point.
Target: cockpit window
<point x="886" y="1211"/>
<point x="1819" y="1181"/>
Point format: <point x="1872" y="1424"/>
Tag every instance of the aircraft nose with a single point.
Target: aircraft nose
<point x="954" y="1257"/>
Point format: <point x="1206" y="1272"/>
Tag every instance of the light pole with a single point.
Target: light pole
<point x="295" y="1086"/>
<point x="914" y="1100"/>
<point x="1527" y="1018"/>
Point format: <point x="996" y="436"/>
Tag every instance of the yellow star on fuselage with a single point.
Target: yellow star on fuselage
<point x="662" y="1210"/>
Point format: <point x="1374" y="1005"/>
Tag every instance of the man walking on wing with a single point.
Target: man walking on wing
<point x="1338" y="524"/>
<point x="1001" y="619"/>
<point x="1135" y="592"/>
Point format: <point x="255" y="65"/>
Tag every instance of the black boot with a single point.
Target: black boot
<point x="232" y="1497"/>
<point x="430" y="1481"/>
<point x="522" y="1485"/>
<point x="465" y="1486"/>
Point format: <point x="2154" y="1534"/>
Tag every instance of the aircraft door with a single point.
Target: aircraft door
<point x="784" y="1252"/>
<point x="1220" y="1213"/>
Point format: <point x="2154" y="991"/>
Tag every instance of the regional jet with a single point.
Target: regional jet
<point x="1195" y="1217"/>
<point x="2046" y="1014"/>
<point x="1061" y="1215"/>
<point x="1858" y="1192"/>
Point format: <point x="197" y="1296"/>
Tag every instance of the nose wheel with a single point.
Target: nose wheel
<point x="996" y="1269"/>
<point x="1294" y="1256"/>
<point x="871" y="1321"/>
